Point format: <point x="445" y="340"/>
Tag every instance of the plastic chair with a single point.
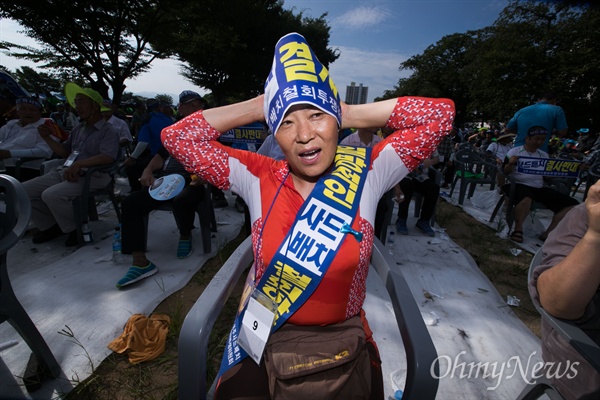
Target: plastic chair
<point x="84" y="206"/>
<point x="206" y="216"/>
<point x="508" y="198"/>
<point x="195" y="332"/>
<point x="535" y="205"/>
<point x="569" y="331"/>
<point x="27" y="163"/>
<point x="590" y="177"/>
<point x="14" y="218"/>
<point x="472" y="169"/>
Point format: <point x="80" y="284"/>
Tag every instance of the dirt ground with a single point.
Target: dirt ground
<point x="116" y="378"/>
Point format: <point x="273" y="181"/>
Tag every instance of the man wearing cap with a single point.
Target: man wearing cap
<point x="498" y="149"/>
<point x="148" y="142"/>
<point x="585" y="140"/>
<point x="120" y="125"/>
<point x="92" y="143"/>
<point x="19" y="138"/>
<point x="190" y="102"/>
<point x="543" y="113"/>
<point x="530" y="187"/>
<point x="64" y="117"/>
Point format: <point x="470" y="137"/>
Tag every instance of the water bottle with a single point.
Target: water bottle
<point x="87" y="233"/>
<point x="116" y="245"/>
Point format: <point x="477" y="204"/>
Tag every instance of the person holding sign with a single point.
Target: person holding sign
<point x="530" y="186"/>
<point x="312" y="217"/>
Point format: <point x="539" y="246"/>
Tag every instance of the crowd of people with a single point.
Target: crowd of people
<point x="313" y="199"/>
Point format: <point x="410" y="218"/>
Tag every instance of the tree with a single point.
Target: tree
<point x="537" y="47"/>
<point x="533" y="47"/>
<point x="440" y="72"/>
<point x="165" y="99"/>
<point x="104" y="42"/>
<point x="38" y="82"/>
<point x="227" y="46"/>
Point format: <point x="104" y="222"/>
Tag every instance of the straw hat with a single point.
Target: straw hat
<point x="506" y="135"/>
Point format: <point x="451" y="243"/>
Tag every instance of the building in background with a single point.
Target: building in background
<point x="356" y="94"/>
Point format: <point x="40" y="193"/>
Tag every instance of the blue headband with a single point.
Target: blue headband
<point x="537" y="131"/>
<point x="28" y="100"/>
<point x="298" y="77"/>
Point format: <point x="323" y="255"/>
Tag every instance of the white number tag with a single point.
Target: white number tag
<point x="256" y="325"/>
<point x="71" y="159"/>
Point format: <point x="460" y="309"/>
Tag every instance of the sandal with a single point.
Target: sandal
<point x="517" y="236"/>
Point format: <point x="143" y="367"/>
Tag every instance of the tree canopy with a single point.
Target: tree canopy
<point x="227" y="46"/>
<point x="104" y="42"/>
<point x="533" y="47"/>
<point x="224" y="46"/>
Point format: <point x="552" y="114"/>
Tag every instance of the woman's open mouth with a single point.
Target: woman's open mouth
<point x="309" y="155"/>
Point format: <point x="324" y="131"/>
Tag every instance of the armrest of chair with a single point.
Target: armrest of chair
<point x="594" y="169"/>
<point x="17" y="208"/>
<point x="195" y="332"/>
<point x="19" y="164"/>
<point x="420" y="350"/>
<point x="51" y="165"/>
<point x="89" y="171"/>
<point x="576" y="338"/>
<point x="22" y="160"/>
<point x="436" y="175"/>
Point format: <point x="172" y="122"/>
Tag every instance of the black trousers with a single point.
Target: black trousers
<point x="430" y="191"/>
<point x="135" y="171"/>
<point x="138" y="204"/>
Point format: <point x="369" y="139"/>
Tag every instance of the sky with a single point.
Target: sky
<point x="373" y="37"/>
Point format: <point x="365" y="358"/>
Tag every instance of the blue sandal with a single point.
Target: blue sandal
<point x="184" y="249"/>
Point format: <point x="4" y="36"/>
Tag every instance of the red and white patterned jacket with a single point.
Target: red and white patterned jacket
<point x="419" y="124"/>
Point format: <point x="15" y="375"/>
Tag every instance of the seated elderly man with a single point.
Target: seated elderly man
<point x="92" y="143"/>
<point x="148" y="141"/>
<point x="498" y="150"/>
<point x="530" y="187"/>
<point x="121" y="126"/>
<point x="566" y="284"/>
<point x="19" y="138"/>
<point x="64" y="117"/>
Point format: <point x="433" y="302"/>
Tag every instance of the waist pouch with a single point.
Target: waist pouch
<point x="319" y="362"/>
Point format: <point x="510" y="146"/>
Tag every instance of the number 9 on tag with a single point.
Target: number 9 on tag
<point x="255" y="329"/>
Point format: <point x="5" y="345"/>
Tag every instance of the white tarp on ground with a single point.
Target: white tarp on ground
<point x="60" y="287"/>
